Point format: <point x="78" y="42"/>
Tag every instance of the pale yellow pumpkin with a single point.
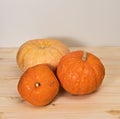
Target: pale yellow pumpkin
<point x="41" y="51"/>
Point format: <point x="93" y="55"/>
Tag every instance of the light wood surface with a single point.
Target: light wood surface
<point x="103" y="104"/>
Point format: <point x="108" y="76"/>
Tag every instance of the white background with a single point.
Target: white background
<point x="75" y="22"/>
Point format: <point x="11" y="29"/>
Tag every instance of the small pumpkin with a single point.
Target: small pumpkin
<point x="80" y="72"/>
<point x="40" y="51"/>
<point x="38" y="85"/>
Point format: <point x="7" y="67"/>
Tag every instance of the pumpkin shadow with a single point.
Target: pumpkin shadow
<point x="70" y="41"/>
<point x="61" y="93"/>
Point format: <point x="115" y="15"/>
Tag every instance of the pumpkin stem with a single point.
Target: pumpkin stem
<point x="37" y="84"/>
<point x="42" y="46"/>
<point x="84" y="57"/>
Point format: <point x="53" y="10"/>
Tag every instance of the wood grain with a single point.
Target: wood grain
<point x="103" y="104"/>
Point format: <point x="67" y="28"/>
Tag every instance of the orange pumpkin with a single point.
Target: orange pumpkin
<point x="38" y="85"/>
<point x="80" y="72"/>
<point x="40" y="51"/>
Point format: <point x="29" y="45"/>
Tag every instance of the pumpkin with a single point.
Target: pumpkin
<point x="38" y="85"/>
<point x="80" y="72"/>
<point x="40" y="51"/>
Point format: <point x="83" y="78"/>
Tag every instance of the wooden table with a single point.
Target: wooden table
<point x="103" y="104"/>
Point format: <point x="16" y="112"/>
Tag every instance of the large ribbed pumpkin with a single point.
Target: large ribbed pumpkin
<point x="40" y="51"/>
<point x="80" y="72"/>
